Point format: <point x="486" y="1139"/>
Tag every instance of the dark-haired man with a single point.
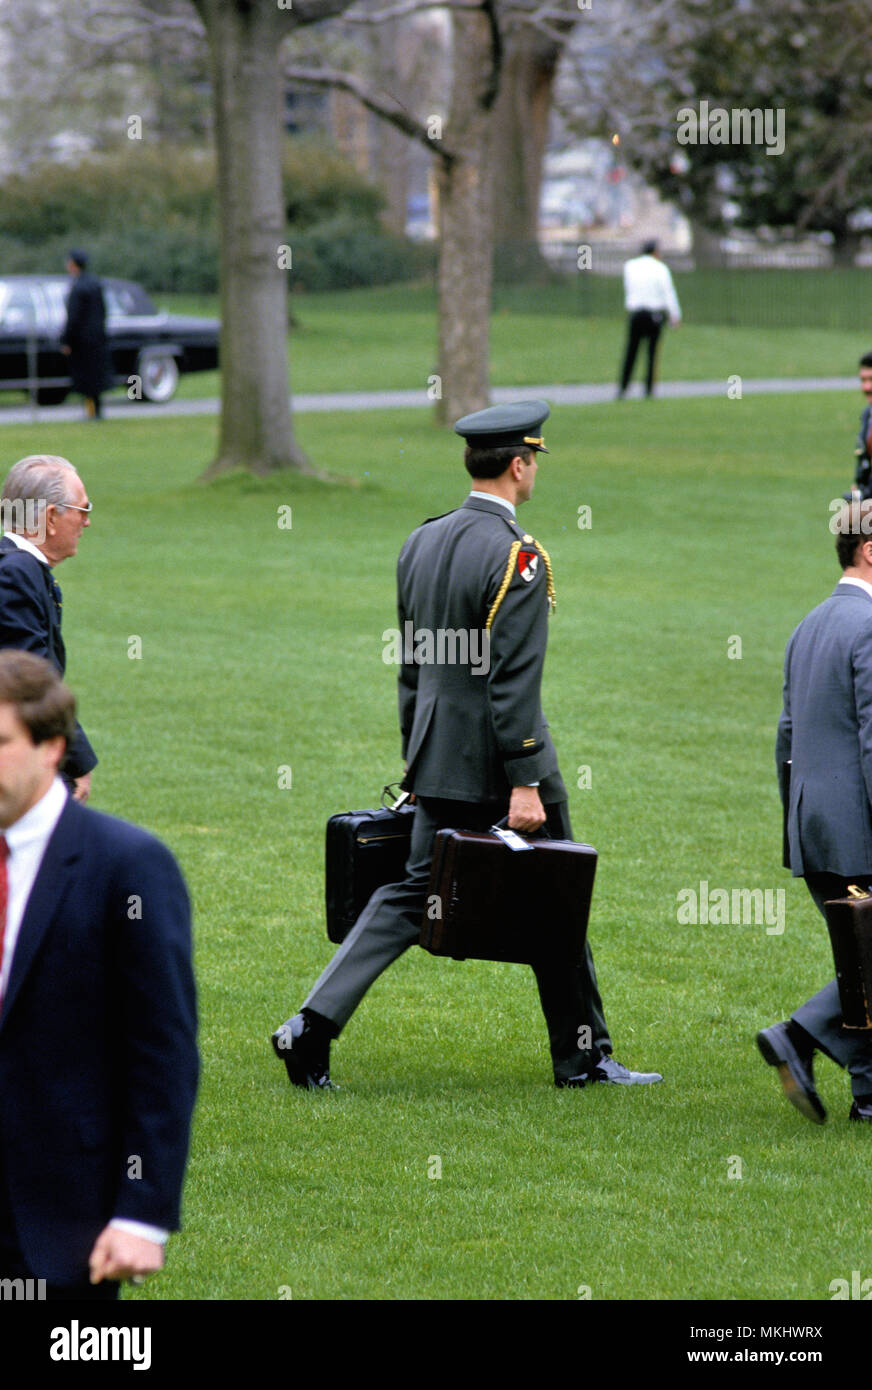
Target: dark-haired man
<point x="825" y="732"/>
<point x="862" y="487"/>
<point x="475" y="741"/>
<point x="84" y="336"/>
<point x="98" y="1058"/>
<point x="649" y="298"/>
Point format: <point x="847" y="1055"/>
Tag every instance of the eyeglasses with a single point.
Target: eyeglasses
<point x="71" y="506"/>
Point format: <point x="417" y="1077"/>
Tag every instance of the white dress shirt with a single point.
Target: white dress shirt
<point x="492" y="497"/>
<point x="27" y="840"/>
<point x="860" y="583"/>
<point x="648" y="285"/>
<point x="24" y="544"/>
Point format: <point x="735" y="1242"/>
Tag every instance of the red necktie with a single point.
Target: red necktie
<point x="4" y="899"/>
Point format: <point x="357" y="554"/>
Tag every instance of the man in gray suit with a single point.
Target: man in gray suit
<point x="475" y="741"/>
<point x="825" y="732"/>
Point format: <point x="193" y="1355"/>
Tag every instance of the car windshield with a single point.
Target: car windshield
<point x="16" y="307"/>
<point x="124" y="299"/>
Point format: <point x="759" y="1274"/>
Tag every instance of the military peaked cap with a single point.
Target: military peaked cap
<point x="506" y="426"/>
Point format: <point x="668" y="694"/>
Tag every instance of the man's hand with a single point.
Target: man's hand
<point x="82" y="787"/>
<point x="526" y="811"/>
<point x="120" y="1255"/>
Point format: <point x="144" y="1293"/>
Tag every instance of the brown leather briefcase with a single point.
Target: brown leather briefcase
<point x="489" y="901"/>
<point x="850" y="925"/>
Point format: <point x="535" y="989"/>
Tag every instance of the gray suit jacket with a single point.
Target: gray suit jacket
<point x="468" y="736"/>
<point x="825" y="730"/>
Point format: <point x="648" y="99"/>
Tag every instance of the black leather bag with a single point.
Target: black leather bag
<point x="488" y="900"/>
<point x="363" y="851"/>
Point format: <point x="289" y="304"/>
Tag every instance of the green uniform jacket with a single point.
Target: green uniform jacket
<point x="470" y="704"/>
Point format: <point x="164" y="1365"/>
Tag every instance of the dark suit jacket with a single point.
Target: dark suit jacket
<point x="825" y="730"/>
<point x="98" y="1060"/>
<point x="29" y="621"/>
<point x="467" y="736"/>
<point x="85" y="335"/>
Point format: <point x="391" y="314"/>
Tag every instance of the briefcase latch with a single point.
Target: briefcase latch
<point x="855" y="892"/>
<point x="509" y="837"/>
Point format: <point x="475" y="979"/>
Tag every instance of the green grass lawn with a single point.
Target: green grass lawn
<point x="386" y="338"/>
<point x="262" y="648"/>
<point x="754" y="324"/>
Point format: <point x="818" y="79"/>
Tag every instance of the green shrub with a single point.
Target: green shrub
<point x="344" y="254"/>
<point x="150" y="215"/>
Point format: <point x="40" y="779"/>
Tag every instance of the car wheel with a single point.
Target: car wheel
<point x="160" y="377"/>
<point x="51" y="395"/>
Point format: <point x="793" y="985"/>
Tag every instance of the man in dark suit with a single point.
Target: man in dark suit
<point x="476" y="743"/>
<point x="98" y="1059"/>
<point x="84" y="336"/>
<point x="44" y="509"/>
<point x="825" y="732"/>
<point x="862" y="486"/>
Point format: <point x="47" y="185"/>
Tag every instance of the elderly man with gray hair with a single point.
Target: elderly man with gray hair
<point x="43" y="508"/>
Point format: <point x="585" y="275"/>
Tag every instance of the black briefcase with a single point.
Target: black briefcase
<point x="494" y="895"/>
<point x="363" y="851"/>
<point x="850" y="925"/>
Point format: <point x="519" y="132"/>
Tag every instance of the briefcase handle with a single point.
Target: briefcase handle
<point x="501" y="828"/>
<point x="398" y="795"/>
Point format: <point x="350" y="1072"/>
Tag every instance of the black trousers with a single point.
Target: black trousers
<point x="390" y="923"/>
<point x="14" y="1266"/>
<point x="821" y="1016"/>
<point x="644" y="326"/>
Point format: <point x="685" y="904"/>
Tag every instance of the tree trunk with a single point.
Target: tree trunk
<point x="521" y="117"/>
<point x="708" y="250"/>
<point x="256" y="428"/>
<point x="464" y="185"/>
<point x="846" y="246"/>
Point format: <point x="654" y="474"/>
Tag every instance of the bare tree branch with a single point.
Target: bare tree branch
<point x="314" y="11"/>
<point x="409" y="7"/>
<point x="491" y="91"/>
<point x="124" y="37"/>
<point x="381" y="103"/>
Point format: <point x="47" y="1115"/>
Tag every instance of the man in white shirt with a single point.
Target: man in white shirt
<point x="98" y="1058"/>
<point x="649" y="298"/>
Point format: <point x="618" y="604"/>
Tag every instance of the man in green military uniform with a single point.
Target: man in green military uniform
<point x="475" y="741"/>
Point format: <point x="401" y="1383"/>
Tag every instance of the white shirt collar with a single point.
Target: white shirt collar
<point x="491" y="497"/>
<point x="860" y="583"/>
<point x="40" y="820"/>
<point x="24" y="544"/>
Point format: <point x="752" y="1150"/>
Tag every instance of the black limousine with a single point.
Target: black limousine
<point x="142" y="342"/>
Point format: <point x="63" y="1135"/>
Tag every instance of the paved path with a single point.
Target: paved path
<point x="122" y="409"/>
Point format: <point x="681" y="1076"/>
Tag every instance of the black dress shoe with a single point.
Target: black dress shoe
<point x="861" y="1108"/>
<point x="795" y="1070"/>
<point x="306" y="1055"/>
<point x="607" y="1069"/>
